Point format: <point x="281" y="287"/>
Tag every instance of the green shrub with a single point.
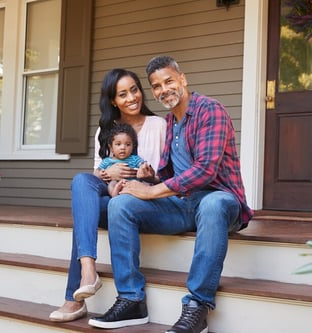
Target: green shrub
<point x="307" y="268"/>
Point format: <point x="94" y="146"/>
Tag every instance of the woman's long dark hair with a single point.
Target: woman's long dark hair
<point x="109" y="113"/>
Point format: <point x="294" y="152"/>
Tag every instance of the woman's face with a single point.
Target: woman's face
<point x="128" y="97"/>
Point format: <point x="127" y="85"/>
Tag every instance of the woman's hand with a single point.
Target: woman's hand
<point x="101" y="173"/>
<point x="120" y="171"/>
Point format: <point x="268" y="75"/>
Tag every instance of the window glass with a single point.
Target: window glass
<point x="1" y="57"/>
<point x="42" y="35"/>
<point x="40" y="110"/>
<point x="41" y="72"/>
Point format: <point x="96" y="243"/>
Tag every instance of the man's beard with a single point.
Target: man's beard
<point x="174" y="100"/>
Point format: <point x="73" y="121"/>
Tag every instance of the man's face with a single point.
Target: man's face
<point x="168" y="87"/>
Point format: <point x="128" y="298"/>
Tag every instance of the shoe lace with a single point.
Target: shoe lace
<point x="190" y="316"/>
<point x="119" y="305"/>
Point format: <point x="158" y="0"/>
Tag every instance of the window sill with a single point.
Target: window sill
<point x="38" y="155"/>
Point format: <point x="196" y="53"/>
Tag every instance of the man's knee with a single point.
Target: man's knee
<point x="218" y="202"/>
<point x="121" y="202"/>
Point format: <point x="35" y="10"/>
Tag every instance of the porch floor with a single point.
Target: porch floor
<point x="271" y="226"/>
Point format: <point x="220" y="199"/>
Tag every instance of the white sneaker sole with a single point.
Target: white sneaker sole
<point x="205" y="330"/>
<point x="118" y="324"/>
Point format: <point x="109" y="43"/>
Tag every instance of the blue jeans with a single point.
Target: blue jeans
<point x="89" y="211"/>
<point x="212" y="214"/>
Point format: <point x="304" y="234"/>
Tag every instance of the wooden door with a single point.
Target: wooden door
<point x="288" y="131"/>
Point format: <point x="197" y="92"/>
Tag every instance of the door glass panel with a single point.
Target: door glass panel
<point x="295" y="60"/>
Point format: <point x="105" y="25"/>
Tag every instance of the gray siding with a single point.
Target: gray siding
<point x="207" y="42"/>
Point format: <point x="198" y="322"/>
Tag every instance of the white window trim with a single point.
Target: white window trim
<point x="11" y="123"/>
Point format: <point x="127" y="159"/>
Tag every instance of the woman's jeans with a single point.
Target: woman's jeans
<point x="212" y="214"/>
<point x="89" y="211"/>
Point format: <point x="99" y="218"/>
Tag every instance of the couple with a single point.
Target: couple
<point x="198" y="187"/>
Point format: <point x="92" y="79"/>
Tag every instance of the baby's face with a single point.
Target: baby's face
<point x="122" y="146"/>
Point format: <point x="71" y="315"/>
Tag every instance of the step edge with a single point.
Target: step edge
<point x="235" y="285"/>
<point x="7" y="306"/>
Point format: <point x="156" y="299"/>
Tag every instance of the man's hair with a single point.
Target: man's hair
<point x="160" y="62"/>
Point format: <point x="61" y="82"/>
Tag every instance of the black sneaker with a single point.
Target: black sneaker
<point x="123" y="313"/>
<point x="193" y="319"/>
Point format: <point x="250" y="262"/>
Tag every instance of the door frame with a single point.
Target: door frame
<point x="253" y="100"/>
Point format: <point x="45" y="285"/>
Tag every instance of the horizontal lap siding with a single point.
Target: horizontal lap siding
<point x="207" y="42"/>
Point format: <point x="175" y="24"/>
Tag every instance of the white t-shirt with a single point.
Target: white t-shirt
<point x="151" y="141"/>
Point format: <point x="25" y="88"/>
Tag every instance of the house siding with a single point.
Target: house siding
<point x="206" y="41"/>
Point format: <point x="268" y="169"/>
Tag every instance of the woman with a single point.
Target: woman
<point x="122" y="101"/>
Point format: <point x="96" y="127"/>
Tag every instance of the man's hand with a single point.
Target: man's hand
<point x="137" y="189"/>
<point x="144" y="191"/>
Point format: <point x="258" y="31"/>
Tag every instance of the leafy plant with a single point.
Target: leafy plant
<point x="307" y="268"/>
<point x="300" y="16"/>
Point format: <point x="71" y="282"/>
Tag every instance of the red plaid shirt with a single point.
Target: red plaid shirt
<point x="210" y="140"/>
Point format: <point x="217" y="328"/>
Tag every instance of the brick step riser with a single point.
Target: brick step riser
<point x="256" y="260"/>
<point x="234" y="313"/>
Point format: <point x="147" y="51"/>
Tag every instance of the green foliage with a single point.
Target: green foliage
<point x="307" y="268"/>
<point x="300" y="16"/>
<point x="295" y="71"/>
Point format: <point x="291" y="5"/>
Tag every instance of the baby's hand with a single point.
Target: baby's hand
<point x="146" y="172"/>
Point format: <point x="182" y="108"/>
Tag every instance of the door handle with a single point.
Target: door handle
<point x="270" y="97"/>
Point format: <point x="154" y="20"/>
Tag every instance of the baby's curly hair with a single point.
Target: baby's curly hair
<point x="123" y="128"/>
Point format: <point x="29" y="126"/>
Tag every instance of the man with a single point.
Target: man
<point x="200" y="189"/>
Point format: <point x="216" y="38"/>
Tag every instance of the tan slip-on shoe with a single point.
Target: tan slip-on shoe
<point x="88" y="290"/>
<point x="68" y="316"/>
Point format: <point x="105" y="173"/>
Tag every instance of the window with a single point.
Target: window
<point x="45" y="81"/>
<point x="40" y="75"/>
<point x="1" y="57"/>
<point x="28" y="127"/>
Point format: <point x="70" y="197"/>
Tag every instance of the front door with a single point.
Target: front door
<point x="288" y="132"/>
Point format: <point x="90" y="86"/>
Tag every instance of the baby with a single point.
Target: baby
<point x="122" y="142"/>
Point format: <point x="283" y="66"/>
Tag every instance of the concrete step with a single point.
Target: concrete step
<point x="240" y="302"/>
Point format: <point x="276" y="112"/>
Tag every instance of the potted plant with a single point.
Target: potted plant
<point x="307" y="268"/>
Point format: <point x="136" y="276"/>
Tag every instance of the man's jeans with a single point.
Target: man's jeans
<point x="211" y="213"/>
<point x="89" y="210"/>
